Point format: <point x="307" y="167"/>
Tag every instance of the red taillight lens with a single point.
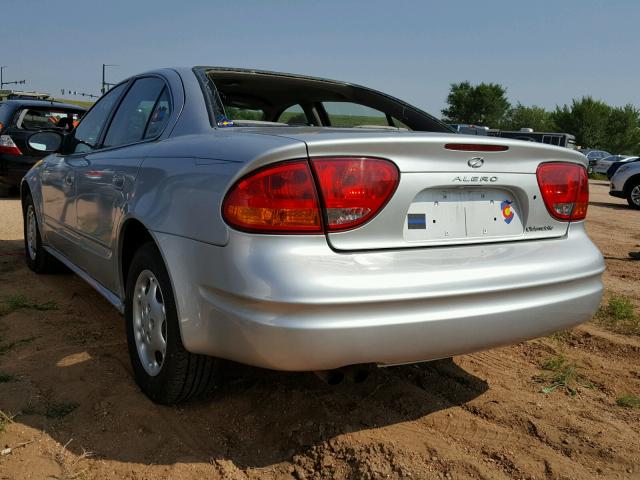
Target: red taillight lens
<point x="7" y="145"/>
<point x="279" y="198"/>
<point x="565" y="189"/>
<point x="354" y="189"/>
<point x="282" y="198"/>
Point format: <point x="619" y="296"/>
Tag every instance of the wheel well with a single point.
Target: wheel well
<point x="24" y="191"/>
<point x="133" y="235"/>
<point x="631" y="181"/>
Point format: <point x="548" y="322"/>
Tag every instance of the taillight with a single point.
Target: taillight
<point x="354" y="189"/>
<point x="278" y="198"/>
<point x="565" y="189"/>
<point x="8" y="146"/>
<point x="283" y="198"/>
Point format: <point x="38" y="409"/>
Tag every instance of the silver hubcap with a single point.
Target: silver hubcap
<point x="635" y="195"/>
<point x="32" y="240"/>
<point x="149" y="322"/>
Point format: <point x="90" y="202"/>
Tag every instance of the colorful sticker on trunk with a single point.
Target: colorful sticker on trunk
<point x="507" y="211"/>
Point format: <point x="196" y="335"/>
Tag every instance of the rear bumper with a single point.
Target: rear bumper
<point x="291" y="303"/>
<point x="617" y="194"/>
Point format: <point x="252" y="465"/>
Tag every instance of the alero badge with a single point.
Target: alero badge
<point x="507" y="211"/>
<point x="476" y="162"/>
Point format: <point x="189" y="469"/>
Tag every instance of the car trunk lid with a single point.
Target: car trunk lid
<point x="447" y="196"/>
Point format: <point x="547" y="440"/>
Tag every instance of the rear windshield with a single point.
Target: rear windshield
<point x="44" y="119"/>
<point x="246" y="97"/>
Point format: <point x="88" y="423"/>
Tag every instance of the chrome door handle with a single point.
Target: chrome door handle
<point x="69" y="179"/>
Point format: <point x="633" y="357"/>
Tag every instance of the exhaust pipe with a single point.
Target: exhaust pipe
<point x="330" y="377"/>
<point x="357" y="373"/>
<point x="353" y="373"/>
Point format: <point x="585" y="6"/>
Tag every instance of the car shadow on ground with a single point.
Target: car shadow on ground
<point x="75" y="383"/>
<point x="614" y="206"/>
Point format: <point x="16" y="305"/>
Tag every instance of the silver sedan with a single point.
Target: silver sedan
<point x="298" y="223"/>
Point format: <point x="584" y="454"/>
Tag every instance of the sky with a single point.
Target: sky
<point x="544" y="52"/>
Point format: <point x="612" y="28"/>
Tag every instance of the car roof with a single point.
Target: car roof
<point x="19" y="102"/>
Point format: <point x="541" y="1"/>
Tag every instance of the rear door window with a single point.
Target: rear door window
<point x="160" y="115"/>
<point x="348" y="114"/>
<point x="129" y="124"/>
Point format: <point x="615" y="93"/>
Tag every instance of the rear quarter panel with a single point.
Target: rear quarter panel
<point x="181" y="184"/>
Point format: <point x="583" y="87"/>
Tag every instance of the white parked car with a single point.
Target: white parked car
<point x="625" y="183"/>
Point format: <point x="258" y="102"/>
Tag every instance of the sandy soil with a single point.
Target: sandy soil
<point x="77" y="414"/>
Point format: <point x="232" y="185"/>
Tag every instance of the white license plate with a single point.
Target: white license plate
<point x="440" y="214"/>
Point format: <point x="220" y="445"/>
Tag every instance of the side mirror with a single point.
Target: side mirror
<point x="45" y="142"/>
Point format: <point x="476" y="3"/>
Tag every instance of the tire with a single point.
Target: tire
<point x="37" y="258"/>
<point x="633" y="196"/>
<point x="163" y="369"/>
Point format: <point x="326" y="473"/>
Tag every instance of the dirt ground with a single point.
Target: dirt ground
<point x="77" y="414"/>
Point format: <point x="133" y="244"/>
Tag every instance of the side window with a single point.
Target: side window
<point x="87" y="133"/>
<point x="294" y="115"/>
<point x="130" y="121"/>
<point x="160" y="115"/>
<point x="347" y="114"/>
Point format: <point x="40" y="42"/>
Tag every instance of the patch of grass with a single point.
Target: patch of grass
<point x="563" y="374"/>
<point x="5" y="419"/>
<point x="60" y="410"/>
<point x="598" y="176"/>
<point x="563" y="336"/>
<point x="72" y="467"/>
<point x="629" y="401"/>
<point x="6" y="378"/>
<point x="20" y="302"/>
<point x="10" y="346"/>
<point x="619" y="315"/>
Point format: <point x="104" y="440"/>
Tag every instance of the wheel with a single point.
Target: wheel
<point x="163" y="369"/>
<point x="633" y="196"/>
<point x="38" y="259"/>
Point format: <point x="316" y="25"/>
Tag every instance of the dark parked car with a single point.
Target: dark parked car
<point x="616" y="165"/>
<point x="593" y="155"/>
<point x="18" y="120"/>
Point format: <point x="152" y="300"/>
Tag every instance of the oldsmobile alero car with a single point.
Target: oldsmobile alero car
<point x="297" y="223"/>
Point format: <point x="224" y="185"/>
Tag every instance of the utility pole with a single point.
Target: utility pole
<point x="106" y="85"/>
<point x="3" y="83"/>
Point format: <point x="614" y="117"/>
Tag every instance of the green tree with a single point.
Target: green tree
<point x="586" y="118"/>
<point x="598" y="125"/>
<point x="483" y="104"/>
<point x="623" y="130"/>
<point x="534" y="117"/>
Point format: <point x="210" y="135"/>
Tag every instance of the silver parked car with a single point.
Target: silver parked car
<point x="625" y="183"/>
<point x="298" y="223"/>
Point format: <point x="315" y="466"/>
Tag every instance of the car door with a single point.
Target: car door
<point x="105" y="181"/>
<point x="58" y="177"/>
